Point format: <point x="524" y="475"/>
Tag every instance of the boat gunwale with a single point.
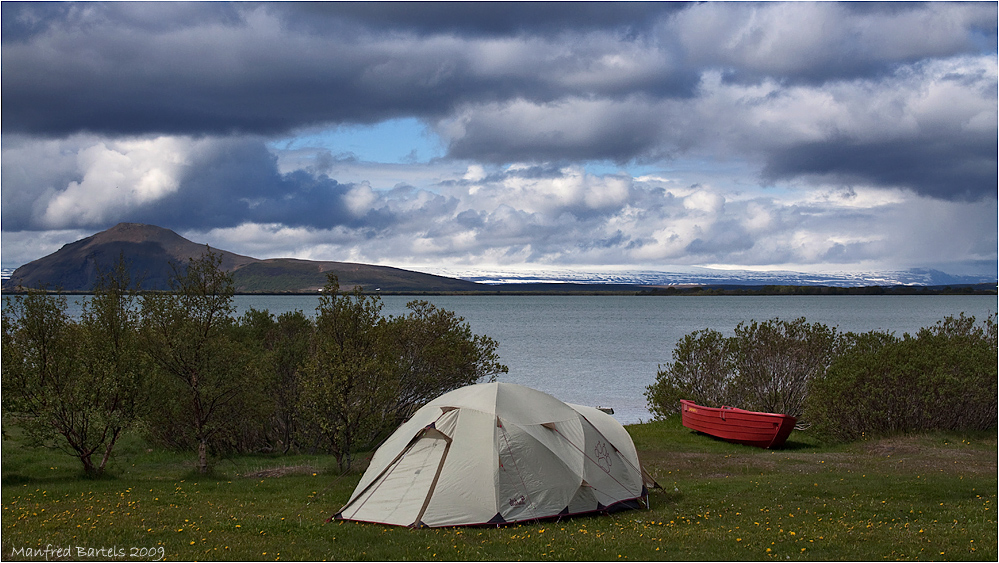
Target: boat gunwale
<point x="737" y="410"/>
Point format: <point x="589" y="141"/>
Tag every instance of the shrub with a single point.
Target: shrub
<point x="944" y="378"/>
<point x="203" y="375"/>
<point x="350" y="375"/>
<point x="366" y="372"/>
<point x="775" y="361"/>
<point x="765" y="367"/>
<point x="701" y="371"/>
<point x="74" y="385"/>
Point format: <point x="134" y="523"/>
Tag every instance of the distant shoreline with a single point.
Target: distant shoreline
<point x="555" y="289"/>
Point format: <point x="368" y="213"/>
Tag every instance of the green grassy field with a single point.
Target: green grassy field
<point x="928" y="497"/>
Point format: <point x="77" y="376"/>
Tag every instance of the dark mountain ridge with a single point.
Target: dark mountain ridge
<point x="153" y="252"/>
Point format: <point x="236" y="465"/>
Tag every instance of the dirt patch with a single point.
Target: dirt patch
<point x="281" y="471"/>
<point x="894" y="446"/>
<point x="928" y="454"/>
<point x="902" y="455"/>
<point x="707" y="465"/>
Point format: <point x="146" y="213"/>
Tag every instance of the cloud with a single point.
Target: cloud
<point x="571" y="129"/>
<point x="184" y="182"/>
<point x="817" y="42"/>
<point x="116" y="178"/>
<point x="939" y="168"/>
<point x="802" y="89"/>
<point x="929" y="127"/>
<point x="654" y="224"/>
<point x="230" y="193"/>
<point x="267" y="68"/>
<point x="245" y="70"/>
<point x="778" y="133"/>
<point x="482" y="18"/>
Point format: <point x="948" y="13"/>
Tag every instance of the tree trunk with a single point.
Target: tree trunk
<point x="203" y="456"/>
<point x="107" y="450"/>
<point x="88" y="465"/>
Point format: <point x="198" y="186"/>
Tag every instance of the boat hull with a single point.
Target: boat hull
<point x="760" y="429"/>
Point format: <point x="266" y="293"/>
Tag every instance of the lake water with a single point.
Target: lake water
<point x="605" y="350"/>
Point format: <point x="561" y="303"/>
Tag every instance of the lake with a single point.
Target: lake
<point x="605" y="350"/>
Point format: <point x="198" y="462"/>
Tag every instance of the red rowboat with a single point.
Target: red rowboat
<point x="760" y="429"/>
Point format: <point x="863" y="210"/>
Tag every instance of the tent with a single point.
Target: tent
<point x="497" y="453"/>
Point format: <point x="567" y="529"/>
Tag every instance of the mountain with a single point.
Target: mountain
<point x="151" y="251"/>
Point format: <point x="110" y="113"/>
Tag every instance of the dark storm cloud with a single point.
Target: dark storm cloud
<point x="239" y="182"/>
<point x="484" y="18"/>
<point x="221" y="183"/>
<point x="945" y="168"/>
<point x="569" y="131"/>
<point x="22" y="21"/>
<point x="102" y="68"/>
<point x="507" y="82"/>
<point x="189" y="68"/>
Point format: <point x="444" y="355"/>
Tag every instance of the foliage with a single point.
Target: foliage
<point x="701" y="371"/>
<point x="74" y="385"/>
<point x="437" y="353"/>
<point x="944" y="378"/>
<point x="214" y="383"/>
<point x="365" y="373"/>
<point x="350" y="375"/>
<point x="279" y="347"/>
<point x="111" y="360"/>
<point x="765" y="367"/>
<point x="202" y="373"/>
<point x="775" y="361"/>
<point x="289" y="349"/>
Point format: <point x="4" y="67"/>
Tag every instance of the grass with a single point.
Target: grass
<point x="927" y="497"/>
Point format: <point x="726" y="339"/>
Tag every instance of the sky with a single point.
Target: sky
<point x="820" y="137"/>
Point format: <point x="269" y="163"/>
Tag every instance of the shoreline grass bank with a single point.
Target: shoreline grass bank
<point x="922" y="497"/>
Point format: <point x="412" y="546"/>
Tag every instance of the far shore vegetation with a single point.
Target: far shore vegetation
<point x="159" y="422"/>
<point x="685" y="290"/>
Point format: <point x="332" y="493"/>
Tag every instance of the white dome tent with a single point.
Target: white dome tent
<point x="498" y="453"/>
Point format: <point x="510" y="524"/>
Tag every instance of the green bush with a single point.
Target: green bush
<point x="846" y="386"/>
<point x="700" y="371"/>
<point x="765" y="367"/>
<point x="944" y="378"/>
<point x="74" y="385"/>
<point x="775" y="362"/>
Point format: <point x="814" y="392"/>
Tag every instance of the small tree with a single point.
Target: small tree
<point x="289" y="350"/>
<point x="351" y="374"/>
<point x="366" y="372"/>
<point x="437" y="353"/>
<point x="42" y="373"/>
<point x="74" y="385"/>
<point x="701" y="371"/>
<point x="201" y="369"/>
<point x="111" y="359"/>
<point x="280" y="347"/>
<point x="775" y="361"/>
